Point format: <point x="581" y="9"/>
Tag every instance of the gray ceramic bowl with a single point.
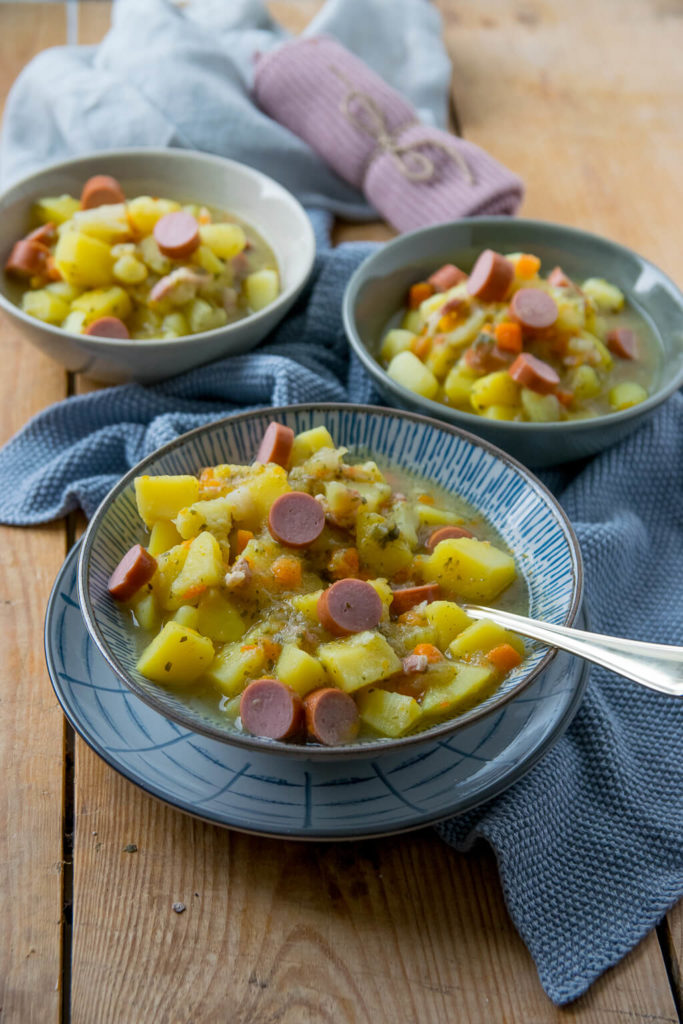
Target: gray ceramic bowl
<point x="528" y="518"/>
<point x="377" y="291"/>
<point x="176" y="174"/>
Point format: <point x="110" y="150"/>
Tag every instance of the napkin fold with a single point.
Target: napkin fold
<point x="590" y="843"/>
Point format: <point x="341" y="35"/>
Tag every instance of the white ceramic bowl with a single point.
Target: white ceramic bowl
<point x="188" y="177"/>
<point x="526" y="515"/>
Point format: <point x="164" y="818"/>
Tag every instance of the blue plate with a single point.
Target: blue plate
<point x="273" y="795"/>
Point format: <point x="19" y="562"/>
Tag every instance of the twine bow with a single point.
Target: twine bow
<point x="363" y="113"/>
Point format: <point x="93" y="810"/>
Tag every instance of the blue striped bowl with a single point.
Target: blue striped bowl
<point x="503" y="491"/>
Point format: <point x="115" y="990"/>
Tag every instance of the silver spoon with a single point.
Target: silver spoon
<point x="657" y="666"/>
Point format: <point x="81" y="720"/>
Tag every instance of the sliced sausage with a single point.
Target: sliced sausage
<point x="276" y="445"/>
<point x="269" y="708"/>
<point x="533" y="373"/>
<point x="46" y="233"/>
<point x="349" y="606"/>
<point x="296" y="519"/>
<point x="408" y="597"/>
<point x="101" y="190"/>
<point x="446" y="277"/>
<point x="181" y="285"/>
<point x="446" y="533"/>
<point x="535" y="311"/>
<point x="177" y="234"/>
<point x="558" y="279"/>
<point x="331" y="716"/>
<point x="28" y="258"/>
<point x="134" y="570"/>
<point x="108" y="327"/>
<point x="491" y="277"/>
<point x="623" y="342"/>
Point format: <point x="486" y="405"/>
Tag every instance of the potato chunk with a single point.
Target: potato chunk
<point x="472" y="569"/>
<point x="103" y="302"/>
<point x="234" y="666"/>
<point x="481" y="637"/>
<point x="472" y="684"/>
<point x="162" y="497"/>
<point x="395" y="341"/>
<point x="45" y="306"/>
<point x="300" y="670"/>
<point x="203" y="568"/>
<point x="381" y="546"/>
<point x="84" y="261"/>
<point x="218" y="618"/>
<point x="261" y="288"/>
<point x="390" y="714"/>
<point x="359" y="660"/>
<point x="176" y="655"/>
<point x="224" y="240"/>
<point x="406" y="369"/>
<point x="447" y="619"/>
<point x="308" y="442"/>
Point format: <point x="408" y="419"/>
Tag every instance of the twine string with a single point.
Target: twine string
<point x="364" y="114"/>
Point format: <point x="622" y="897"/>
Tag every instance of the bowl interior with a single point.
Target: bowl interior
<point x="378" y="289"/>
<point x="176" y="174"/>
<point x="524" y="513"/>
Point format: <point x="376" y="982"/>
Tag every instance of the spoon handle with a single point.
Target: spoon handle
<point x="657" y="666"/>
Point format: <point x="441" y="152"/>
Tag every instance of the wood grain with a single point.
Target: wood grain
<point x="26" y="29"/>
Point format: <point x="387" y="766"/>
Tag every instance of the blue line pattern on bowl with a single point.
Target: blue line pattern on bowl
<point x="275" y="795"/>
<point x="507" y="495"/>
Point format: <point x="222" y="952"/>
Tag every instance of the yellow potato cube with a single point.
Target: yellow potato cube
<point x="390" y="714"/>
<point x="300" y="670"/>
<point x="263" y="490"/>
<point x="109" y="223"/>
<point x="186" y="615"/>
<point x="144" y="212"/>
<point x="162" y="497"/>
<point x="64" y="290"/>
<point x="494" y="389"/>
<point x="380" y="544"/>
<point x="219" y="618"/>
<point x="307" y="604"/>
<point x="261" y="288"/>
<point x="202" y="316"/>
<point x="501" y="412"/>
<point x="607" y="297"/>
<point x="308" y="442"/>
<point x="386" y="595"/>
<point x="407" y="370"/>
<point x="458" y="385"/>
<point x="45" y="306"/>
<point x="103" y="302"/>
<point x="584" y="382"/>
<point x="413" y="321"/>
<point x="224" y="240"/>
<point x="178" y="655"/>
<point x="358" y="660"/>
<point x="74" y="322"/>
<point x="84" y="261"/>
<point x="205" y="258"/>
<point x="447" y="619"/>
<point x="481" y="637"/>
<point x="174" y="325"/>
<point x="163" y="536"/>
<point x="430" y="515"/>
<point x="472" y="685"/>
<point x="440" y="358"/>
<point x="395" y="341"/>
<point x="471" y="569"/>
<point x="55" y="208"/>
<point x="626" y="394"/>
<point x="203" y="568"/>
<point x="540" y="408"/>
<point x="152" y="256"/>
<point x="233" y="667"/>
<point x="129" y="270"/>
<point x="214" y="514"/>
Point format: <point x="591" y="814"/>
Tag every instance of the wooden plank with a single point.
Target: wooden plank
<point x="25" y="29"/>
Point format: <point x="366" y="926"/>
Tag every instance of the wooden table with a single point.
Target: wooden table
<point x="583" y="99"/>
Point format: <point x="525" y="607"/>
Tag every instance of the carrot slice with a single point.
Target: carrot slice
<point x="344" y="563"/>
<point x="287" y="571"/>
<point x="418" y="293"/>
<point x="421" y="345"/>
<point x="509" y="336"/>
<point x="243" y="538"/>
<point x="527" y="265"/>
<point x="430" y="652"/>
<point x="504" y="658"/>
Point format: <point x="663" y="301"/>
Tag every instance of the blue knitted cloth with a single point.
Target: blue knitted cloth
<point x="590" y="843"/>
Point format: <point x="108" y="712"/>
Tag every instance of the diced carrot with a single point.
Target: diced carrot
<point x="287" y="571"/>
<point x="418" y="293"/>
<point x="527" y="265"/>
<point x="425" y="499"/>
<point x="248" y="647"/>
<point x="194" y="591"/>
<point x="448" y="322"/>
<point x="564" y="397"/>
<point x="204" y="217"/>
<point x="504" y="658"/>
<point x="243" y="538"/>
<point x="430" y="652"/>
<point x="186" y="543"/>
<point x="509" y="336"/>
<point x="344" y="563"/>
<point x="271" y="648"/>
<point x="402" y="576"/>
<point x="421" y="345"/>
<point x="411" y="618"/>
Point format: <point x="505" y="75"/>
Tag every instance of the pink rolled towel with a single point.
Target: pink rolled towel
<point x="413" y="174"/>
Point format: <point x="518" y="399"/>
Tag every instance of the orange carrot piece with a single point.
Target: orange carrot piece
<point x="194" y="591"/>
<point x="504" y="658"/>
<point x="287" y="571"/>
<point x="344" y="563"/>
<point x="430" y="652"/>
<point x="426" y="499"/>
<point x="448" y="322"/>
<point x="509" y="336"/>
<point x="271" y="648"/>
<point x="418" y="293"/>
<point x="565" y="397"/>
<point x="527" y="265"/>
<point x="421" y="345"/>
<point x="243" y="538"/>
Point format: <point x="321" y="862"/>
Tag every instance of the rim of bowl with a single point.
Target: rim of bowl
<point x="460" y="416"/>
<point x="371" y="747"/>
<point x="191" y="156"/>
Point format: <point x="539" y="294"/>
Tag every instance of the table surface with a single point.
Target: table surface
<point x="583" y="100"/>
